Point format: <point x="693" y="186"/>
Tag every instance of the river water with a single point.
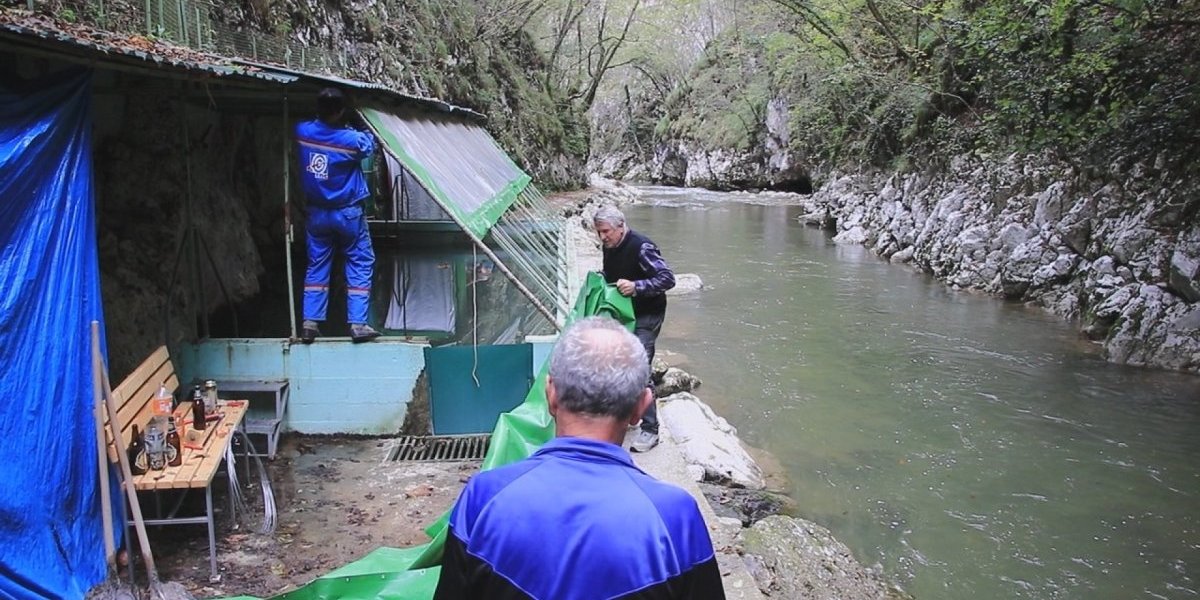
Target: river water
<point x="972" y="447"/>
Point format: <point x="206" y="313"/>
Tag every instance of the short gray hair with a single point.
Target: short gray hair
<point x="599" y="368"/>
<point x="609" y="214"/>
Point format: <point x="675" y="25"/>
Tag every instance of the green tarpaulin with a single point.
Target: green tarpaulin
<point x="412" y="573"/>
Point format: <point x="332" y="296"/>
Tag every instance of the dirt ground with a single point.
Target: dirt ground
<point x="336" y="500"/>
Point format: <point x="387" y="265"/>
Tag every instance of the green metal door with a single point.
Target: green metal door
<point x="469" y="387"/>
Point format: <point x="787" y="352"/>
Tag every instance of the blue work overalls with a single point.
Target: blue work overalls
<point x="335" y="188"/>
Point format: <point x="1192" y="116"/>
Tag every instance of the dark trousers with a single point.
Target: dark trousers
<point x="646" y="328"/>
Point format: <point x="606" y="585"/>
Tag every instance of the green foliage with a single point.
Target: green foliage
<point x="497" y="76"/>
<point x="892" y="82"/>
<point x="724" y="103"/>
<point x="1070" y="74"/>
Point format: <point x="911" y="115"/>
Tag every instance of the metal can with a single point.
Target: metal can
<point x="156" y="446"/>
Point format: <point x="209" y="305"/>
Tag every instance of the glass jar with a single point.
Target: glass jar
<point x="210" y="396"/>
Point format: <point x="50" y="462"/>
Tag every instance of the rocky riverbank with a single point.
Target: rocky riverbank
<point x="1120" y="256"/>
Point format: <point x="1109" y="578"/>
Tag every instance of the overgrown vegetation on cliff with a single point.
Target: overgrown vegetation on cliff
<point x="883" y="81"/>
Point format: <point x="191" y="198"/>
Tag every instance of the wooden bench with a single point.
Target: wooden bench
<point x="198" y="466"/>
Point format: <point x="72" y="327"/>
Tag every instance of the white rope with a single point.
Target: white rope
<point x="474" y="316"/>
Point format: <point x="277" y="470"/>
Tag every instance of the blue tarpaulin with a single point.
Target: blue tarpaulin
<point x="51" y="541"/>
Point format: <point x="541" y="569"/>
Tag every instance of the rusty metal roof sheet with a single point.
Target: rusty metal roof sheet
<point x="89" y="44"/>
<point x="40" y="31"/>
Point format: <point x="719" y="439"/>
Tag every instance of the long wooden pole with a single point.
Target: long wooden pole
<point x="110" y="550"/>
<point x="135" y="506"/>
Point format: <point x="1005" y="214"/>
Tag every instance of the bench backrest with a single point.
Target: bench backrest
<point x="132" y="397"/>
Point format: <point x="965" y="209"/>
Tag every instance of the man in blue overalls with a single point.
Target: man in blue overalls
<point x="334" y="185"/>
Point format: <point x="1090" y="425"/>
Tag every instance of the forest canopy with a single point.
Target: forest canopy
<point x="884" y="81"/>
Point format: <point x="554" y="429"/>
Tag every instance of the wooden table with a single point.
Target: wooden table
<point x="197" y="469"/>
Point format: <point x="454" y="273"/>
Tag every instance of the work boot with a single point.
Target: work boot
<point x="361" y="332"/>
<point x="309" y="331"/>
<point x="643" y="441"/>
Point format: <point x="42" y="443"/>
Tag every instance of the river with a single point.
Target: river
<point x="974" y="448"/>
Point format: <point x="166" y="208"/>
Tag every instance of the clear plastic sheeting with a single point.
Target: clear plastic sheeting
<point x="531" y="237"/>
<point x="447" y="160"/>
<point x="455" y="160"/>
<point x="51" y="543"/>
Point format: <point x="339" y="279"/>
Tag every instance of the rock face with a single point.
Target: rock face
<point x="148" y="263"/>
<point x="799" y="560"/>
<point x="685" y="163"/>
<point x="1121" y="257"/>
<point x="708" y="440"/>
<point x="673" y="381"/>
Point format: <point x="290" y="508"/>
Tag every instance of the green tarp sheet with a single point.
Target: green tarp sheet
<point x="412" y="573"/>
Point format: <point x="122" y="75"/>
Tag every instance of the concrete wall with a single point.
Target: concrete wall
<point x="336" y="386"/>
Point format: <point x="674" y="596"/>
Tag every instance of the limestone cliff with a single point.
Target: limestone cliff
<point x="1120" y="256"/>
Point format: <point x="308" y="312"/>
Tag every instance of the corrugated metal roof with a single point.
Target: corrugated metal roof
<point x="325" y="79"/>
<point x="93" y="45"/>
<point x="137" y="50"/>
<point x="51" y="35"/>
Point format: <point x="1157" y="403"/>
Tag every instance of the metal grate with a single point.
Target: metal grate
<point x="440" y="448"/>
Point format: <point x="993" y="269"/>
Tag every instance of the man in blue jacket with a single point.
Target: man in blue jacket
<point x="578" y="520"/>
<point x="335" y="188"/>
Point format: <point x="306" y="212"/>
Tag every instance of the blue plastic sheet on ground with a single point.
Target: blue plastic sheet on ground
<point x="51" y="543"/>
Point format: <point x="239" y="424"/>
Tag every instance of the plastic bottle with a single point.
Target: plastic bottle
<point x="162" y="401"/>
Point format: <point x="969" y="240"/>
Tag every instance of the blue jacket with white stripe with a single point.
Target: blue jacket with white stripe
<point x="329" y="161"/>
<point x="576" y="520"/>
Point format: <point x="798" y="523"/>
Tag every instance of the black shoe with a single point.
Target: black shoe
<point x="362" y="333"/>
<point x="309" y="332"/>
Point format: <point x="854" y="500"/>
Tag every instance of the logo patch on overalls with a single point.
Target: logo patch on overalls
<point x="318" y="165"/>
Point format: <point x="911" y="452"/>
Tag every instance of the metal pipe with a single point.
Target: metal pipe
<point x="197" y="275"/>
<point x="287" y="218"/>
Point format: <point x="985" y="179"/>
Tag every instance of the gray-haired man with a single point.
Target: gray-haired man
<point x="633" y="263"/>
<point x="578" y="520"/>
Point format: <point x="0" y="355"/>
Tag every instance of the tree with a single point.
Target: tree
<point x="584" y="41"/>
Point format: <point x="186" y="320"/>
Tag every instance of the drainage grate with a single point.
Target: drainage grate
<point x="439" y="448"/>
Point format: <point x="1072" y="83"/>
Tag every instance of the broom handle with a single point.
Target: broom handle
<point x="110" y="550"/>
<point x="130" y="491"/>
